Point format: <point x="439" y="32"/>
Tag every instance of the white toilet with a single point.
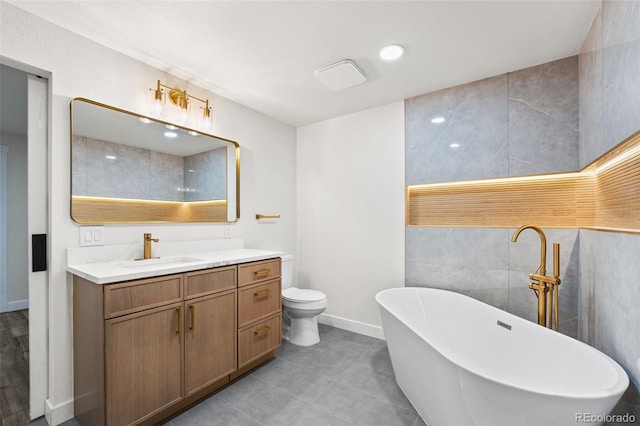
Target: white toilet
<point x="300" y="308"/>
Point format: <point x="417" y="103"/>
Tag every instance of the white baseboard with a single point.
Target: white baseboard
<point x="15" y="306"/>
<point x="58" y="414"/>
<point x="350" y="325"/>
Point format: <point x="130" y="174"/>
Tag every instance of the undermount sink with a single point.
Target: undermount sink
<point x="158" y="262"/>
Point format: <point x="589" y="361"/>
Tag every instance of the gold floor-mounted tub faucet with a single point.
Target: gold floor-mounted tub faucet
<point x="545" y="284"/>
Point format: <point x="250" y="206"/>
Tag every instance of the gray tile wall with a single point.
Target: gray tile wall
<point x="524" y="122"/>
<point x="483" y="263"/>
<point x="520" y="123"/>
<point x="609" y="69"/>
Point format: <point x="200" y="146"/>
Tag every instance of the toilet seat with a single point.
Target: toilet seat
<point x="302" y="295"/>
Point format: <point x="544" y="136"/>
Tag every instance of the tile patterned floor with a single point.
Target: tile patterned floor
<point x="14" y="368"/>
<point x="346" y="379"/>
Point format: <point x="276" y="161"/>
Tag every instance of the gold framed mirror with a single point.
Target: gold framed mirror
<point x="130" y="168"/>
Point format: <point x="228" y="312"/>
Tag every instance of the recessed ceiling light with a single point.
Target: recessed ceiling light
<point x="391" y="52"/>
<point x="170" y="126"/>
<point x="438" y="120"/>
<point x="454" y="145"/>
<point x="170" y="134"/>
<point x="193" y="133"/>
<point x="110" y="157"/>
<point x="145" y="120"/>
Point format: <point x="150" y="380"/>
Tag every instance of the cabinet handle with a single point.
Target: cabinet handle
<point x="262" y="293"/>
<point x="262" y="330"/>
<point x="193" y="317"/>
<point x="263" y="273"/>
<point x="179" y="311"/>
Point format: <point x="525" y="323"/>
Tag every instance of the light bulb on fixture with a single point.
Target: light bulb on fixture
<point x="182" y="103"/>
<point x="206" y="116"/>
<point x="157" y="100"/>
<point x="183" y="116"/>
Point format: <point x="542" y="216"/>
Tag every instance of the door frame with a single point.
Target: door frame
<point x="4" y="150"/>
<point x="39" y="296"/>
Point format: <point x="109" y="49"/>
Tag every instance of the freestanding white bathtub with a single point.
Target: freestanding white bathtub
<point x="461" y="362"/>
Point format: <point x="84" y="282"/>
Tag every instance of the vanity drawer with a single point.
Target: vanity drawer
<point x="254" y="272"/>
<point x="258" y="301"/>
<point x="134" y="296"/>
<point x="201" y="283"/>
<point x="258" y="339"/>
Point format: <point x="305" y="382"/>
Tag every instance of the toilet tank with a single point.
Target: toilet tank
<point x="287" y="270"/>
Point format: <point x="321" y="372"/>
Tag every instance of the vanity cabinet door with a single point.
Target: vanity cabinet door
<point x="210" y="340"/>
<point x="143" y="357"/>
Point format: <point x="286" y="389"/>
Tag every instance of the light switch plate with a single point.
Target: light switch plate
<point x="91" y="236"/>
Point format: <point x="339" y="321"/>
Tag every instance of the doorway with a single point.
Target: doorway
<point x="24" y="112"/>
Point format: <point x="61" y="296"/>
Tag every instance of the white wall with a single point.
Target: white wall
<point x="82" y="68"/>
<point x="17" y="279"/>
<point x="350" y="176"/>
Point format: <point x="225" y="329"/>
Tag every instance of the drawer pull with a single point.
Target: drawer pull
<point x="262" y="293"/>
<point x="179" y="311"/>
<point x="193" y="317"/>
<point x="262" y="330"/>
<point x="262" y="273"/>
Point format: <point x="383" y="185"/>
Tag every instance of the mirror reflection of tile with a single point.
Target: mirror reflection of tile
<point x="107" y="169"/>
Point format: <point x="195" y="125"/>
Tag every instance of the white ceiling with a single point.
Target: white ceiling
<point x="263" y="54"/>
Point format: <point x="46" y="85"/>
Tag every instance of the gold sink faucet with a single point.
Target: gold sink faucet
<point x="543" y="283"/>
<point x="147" y="245"/>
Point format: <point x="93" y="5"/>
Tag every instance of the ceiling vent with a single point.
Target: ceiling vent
<point x="341" y="75"/>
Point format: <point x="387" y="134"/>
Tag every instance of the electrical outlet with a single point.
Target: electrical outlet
<point x="227" y="231"/>
<point x="91" y="236"/>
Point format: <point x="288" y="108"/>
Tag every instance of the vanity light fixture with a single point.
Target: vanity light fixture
<point x="392" y="52"/>
<point x="182" y="104"/>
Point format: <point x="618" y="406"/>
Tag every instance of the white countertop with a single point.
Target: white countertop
<point x="124" y="270"/>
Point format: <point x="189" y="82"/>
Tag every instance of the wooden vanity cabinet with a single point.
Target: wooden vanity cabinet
<point x="259" y="310"/>
<point x="145" y="349"/>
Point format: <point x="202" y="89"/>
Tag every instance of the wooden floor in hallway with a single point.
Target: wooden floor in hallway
<point x="14" y="368"/>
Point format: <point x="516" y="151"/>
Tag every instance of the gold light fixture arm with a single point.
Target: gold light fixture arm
<point x="180" y="98"/>
<point x="176" y="96"/>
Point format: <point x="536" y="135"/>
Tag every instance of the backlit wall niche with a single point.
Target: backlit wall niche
<point x="604" y="196"/>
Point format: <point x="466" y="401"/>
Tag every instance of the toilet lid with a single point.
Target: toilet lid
<point x="302" y="295"/>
